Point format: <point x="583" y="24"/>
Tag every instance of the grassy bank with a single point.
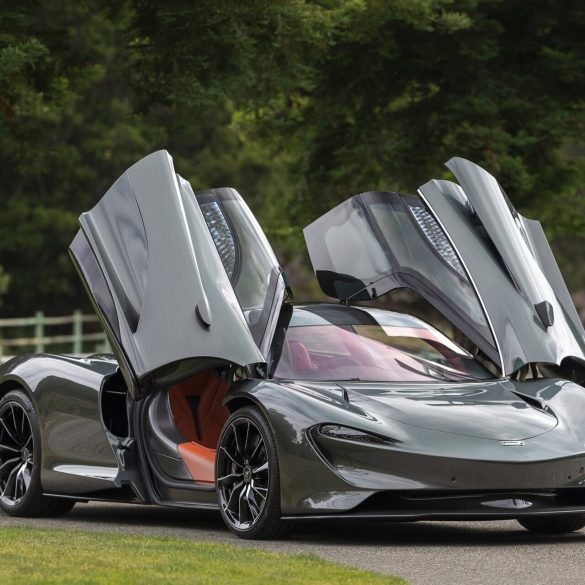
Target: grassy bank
<point x="59" y="557"/>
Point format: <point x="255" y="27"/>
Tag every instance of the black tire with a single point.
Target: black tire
<point x="20" y="461"/>
<point x="246" y="446"/>
<point x="554" y="524"/>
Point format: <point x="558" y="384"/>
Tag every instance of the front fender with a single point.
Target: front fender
<point x="308" y="483"/>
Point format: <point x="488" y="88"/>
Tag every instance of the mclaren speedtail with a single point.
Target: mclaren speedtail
<point x="221" y="393"/>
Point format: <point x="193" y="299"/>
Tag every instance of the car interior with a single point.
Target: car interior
<point x="198" y="413"/>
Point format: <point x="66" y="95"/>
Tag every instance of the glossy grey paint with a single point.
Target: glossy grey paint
<point x="514" y="284"/>
<point x="489" y="270"/>
<point x="442" y="438"/>
<point x="76" y="455"/>
<point x="447" y="437"/>
<point x="173" y="302"/>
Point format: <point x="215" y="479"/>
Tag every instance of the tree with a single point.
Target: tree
<point x="4" y="282"/>
<point x="378" y="94"/>
<point x="400" y="92"/>
<point x="297" y="103"/>
<point x="67" y="129"/>
<point x="71" y="123"/>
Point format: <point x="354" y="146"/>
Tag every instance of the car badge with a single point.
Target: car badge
<point x="513" y="443"/>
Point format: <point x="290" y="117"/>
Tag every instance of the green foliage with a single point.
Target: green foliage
<point x="4" y="282"/>
<point x="297" y="103"/>
<point x="66" y="127"/>
<point x="399" y="93"/>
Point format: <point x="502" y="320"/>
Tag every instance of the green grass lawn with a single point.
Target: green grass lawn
<point x="33" y="556"/>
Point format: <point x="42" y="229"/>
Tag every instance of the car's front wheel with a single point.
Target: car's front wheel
<point x="248" y="477"/>
<point x="20" y="461"/>
<point x="553" y="524"/>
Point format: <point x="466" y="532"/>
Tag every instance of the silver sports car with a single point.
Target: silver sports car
<point x="221" y="393"/>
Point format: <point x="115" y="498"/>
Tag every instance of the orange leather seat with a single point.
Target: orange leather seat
<point x="202" y="428"/>
<point x="199" y="460"/>
<point x="205" y="426"/>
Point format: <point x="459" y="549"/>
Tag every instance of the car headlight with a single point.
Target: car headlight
<point x="350" y="434"/>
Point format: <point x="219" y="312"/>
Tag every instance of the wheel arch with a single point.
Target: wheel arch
<point x="14" y="383"/>
<point x="234" y="403"/>
<point x="241" y="399"/>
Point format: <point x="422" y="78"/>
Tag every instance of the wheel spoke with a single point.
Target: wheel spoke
<point x="16" y="484"/>
<point x="243" y="507"/>
<point x="230" y="477"/>
<point x="9" y="482"/>
<point x="6" y="448"/>
<point x="261" y="469"/>
<point x="8" y="431"/>
<point x="8" y="465"/>
<point x="258" y="491"/>
<point x="237" y="439"/>
<point x="233" y="495"/>
<point x="231" y="458"/>
<point x="14" y="423"/>
<point x="22" y="479"/>
<point x="259" y="444"/>
<point x="252" y="504"/>
<point x="27" y="475"/>
<point x="246" y="439"/>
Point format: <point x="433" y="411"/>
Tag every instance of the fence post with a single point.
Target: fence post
<point x="77" y="332"/>
<point x="40" y="331"/>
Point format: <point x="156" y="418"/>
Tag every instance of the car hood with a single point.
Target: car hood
<point x="495" y="410"/>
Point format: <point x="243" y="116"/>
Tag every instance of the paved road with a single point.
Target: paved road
<point x="425" y="553"/>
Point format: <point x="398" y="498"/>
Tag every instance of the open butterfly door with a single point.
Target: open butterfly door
<point x="155" y="259"/>
<point x="464" y="249"/>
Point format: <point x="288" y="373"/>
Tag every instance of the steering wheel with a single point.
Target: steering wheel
<point x="338" y="361"/>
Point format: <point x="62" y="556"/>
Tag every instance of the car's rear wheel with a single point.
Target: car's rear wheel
<point x="248" y="477"/>
<point x="554" y="524"/>
<point x="20" y="459"/>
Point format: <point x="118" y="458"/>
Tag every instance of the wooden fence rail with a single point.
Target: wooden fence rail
<point x="78" y="341"/>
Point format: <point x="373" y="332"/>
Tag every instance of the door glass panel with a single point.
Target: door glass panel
<point x="379" y="241"/>
<point x="345" y="252"/>
<point x="94" y="280"/>
<point x="247" y="256"/>
<point x="427" y="253"/>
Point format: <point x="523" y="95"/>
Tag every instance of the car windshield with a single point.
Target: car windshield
<point x="342" y="343"/>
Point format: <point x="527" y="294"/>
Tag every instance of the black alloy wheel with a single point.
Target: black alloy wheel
<point x="247" y="477"/>
<point x="20" y="438"/>
<point x="16" y="453"/>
